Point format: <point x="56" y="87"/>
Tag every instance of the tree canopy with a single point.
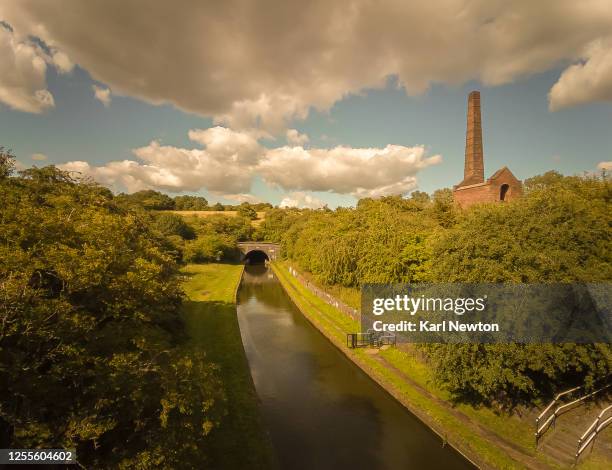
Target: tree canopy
<point x="92" y="348"/>
<point x="558" y="232"/>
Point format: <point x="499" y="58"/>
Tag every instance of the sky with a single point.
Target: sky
<point x="303" y="103"/>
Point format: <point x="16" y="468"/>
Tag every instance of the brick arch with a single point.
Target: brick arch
<point x="272" y="250"/>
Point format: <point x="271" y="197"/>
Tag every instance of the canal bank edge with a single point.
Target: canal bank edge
<point x="474" y="445"/>
<point x="237" y="289"/>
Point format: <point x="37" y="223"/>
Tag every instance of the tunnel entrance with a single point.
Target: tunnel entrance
<point x="256" y="257"/>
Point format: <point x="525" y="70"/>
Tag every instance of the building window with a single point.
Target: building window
<point x="503" y="191"/>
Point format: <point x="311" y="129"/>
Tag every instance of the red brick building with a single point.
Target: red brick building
<point x="501" y="186"/>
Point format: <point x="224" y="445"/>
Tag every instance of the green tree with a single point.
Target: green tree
<point x="173" y="224"/>
<point x="560" y="232"/>
<point x="190" y="203"/>
<point x="245" y="210"/>
<point x="92" y="351"/>
<point x="547" y="179"/>
<point x="147" y="199"/>
<point x="7" y="162"/>
<point x="419" y="196"/>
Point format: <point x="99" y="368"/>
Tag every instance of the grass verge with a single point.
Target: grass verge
<point x="210" y="316"/>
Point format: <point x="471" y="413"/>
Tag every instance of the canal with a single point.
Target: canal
<point x="321" y="410"/>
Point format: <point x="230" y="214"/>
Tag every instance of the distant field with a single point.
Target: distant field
<point x="260" y="215"/>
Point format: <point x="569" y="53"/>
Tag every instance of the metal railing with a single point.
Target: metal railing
<point x="547" y="419"/>
<point x="370" y="339"/>
<point x="590" y="434"/>
<point x="540" y="430"/>
<point x="358" y="340"/>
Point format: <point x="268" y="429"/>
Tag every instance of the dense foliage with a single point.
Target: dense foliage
<point x="149" y="199"/>
<point x="146" y="199"/>
<point x="559" y="232"/>
<point x="245" y="210"/>
<point x="190" y="203"/>
<point x="92" y="350"/>
<point x="216" y="238"/>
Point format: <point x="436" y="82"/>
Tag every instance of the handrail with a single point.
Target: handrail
<point x="370" y="338"/>
<point x="555" y="400"/>
<point x="594" y="424"/>
<point x="540" y="430"/>
<point x="593" y="434"/>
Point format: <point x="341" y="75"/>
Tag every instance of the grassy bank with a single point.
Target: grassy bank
<point x="210" y="316"/>
<point x="489" y="439"/>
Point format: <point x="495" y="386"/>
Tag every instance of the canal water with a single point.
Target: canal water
<point x="321" y="410"/>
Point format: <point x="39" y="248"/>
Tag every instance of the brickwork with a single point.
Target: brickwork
<point x="501" y="186"/>
<point x="474" y="161"/>
<point x="272" y="250"/>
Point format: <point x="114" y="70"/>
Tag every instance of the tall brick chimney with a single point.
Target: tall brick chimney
<point x="474" y="164"/>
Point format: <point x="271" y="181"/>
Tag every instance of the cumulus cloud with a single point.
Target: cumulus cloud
<point x="250" y="198"/>
<point x="224" y="166"/>
<point x="586" y="82"/>
<point x="250" y="65"/>
<point x="607" y="166"/>
<point x="295" y="138"/>
<point x="229" y="160"/>
<point x="62" y="62"/>
<point x="360" y="172"/>
<point x="103" y="95"/>
<point x="22" y="75"/>
<point x="39" y="157"/>
<point x="302" y="200"/>
<point x="227" y="145"/>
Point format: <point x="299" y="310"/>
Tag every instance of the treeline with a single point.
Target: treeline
<point x="203" y="239"/>
<point x="92" y="347"/>
<point x="149" y="199"/>
<point x="559" y="232"/>
<point x="189" y="238"/>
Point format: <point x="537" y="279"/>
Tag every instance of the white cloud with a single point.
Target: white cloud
<point x="250" y="65"/>
<point x="586" y="82"/>
<point x="243" y="198"/>
<point x="295" y="138"/>
<point x="360" y="172"/>
<point x="39" y="157"/>
<point x="302" y="200"/>
<point x="103" y="95"/>
<point x="228" y="145"/>
<point x="224" y="166"/>
<point x="22" y="75"/>
<point x="604" y="166"/>
<point x="61" y="62"/>
<point x="229" y="160"/>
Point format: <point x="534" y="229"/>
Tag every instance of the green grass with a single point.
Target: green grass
<point x="505" y="425"/>
<point x="210" y="316"/>
<point x="214" y="282"/>
<point x="334" y="324"/>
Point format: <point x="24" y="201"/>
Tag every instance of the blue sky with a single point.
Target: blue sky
<point x="519" y="130"/>
<point x="373" y="84"/>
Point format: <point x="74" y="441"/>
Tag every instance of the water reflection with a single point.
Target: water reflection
<point x="321" y="410"/>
